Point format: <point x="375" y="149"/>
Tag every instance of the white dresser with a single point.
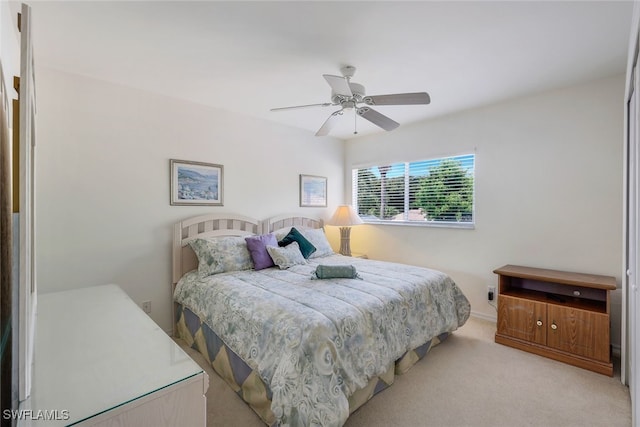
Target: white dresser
<point x="101" y="361"/>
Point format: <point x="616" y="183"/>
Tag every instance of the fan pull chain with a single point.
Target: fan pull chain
<point x="355" y="121"/>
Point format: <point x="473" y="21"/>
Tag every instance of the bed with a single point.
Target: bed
<point x="298" y="349"/>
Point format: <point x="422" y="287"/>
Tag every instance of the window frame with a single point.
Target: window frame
<point x="413" y="223"/>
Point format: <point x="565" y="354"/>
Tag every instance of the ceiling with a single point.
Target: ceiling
<point x="248" y="57"/>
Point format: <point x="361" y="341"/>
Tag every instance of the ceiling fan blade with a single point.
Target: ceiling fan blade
<point x="377" y="118"/>
<point x="339" y="84"/>
<point x="328" y="124"/>
<point x="398" y="99"/>
<point x="326" y="104"/>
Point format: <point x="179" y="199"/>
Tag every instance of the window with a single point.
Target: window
<point x="428" y="192"/>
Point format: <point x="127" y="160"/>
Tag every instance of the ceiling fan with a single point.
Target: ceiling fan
<point x="349" y="95"/>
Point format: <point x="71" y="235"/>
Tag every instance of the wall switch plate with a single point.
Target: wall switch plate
<point x="146" y="306"/>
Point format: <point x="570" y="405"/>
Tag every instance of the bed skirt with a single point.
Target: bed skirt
<point x="247" y="383"/>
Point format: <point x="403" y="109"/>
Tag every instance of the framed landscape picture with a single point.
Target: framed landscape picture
<point x="196" y="183"/>
<point x="313" y="191"/>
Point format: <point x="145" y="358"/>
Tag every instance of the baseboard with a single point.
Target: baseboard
<point x="483" y="316"/>
<point x="615" y="350"/>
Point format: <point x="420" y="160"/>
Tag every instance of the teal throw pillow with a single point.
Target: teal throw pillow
<point x="306" y="247"/>
<point x="336" y="272"/>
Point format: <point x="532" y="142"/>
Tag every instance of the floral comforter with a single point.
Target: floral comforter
<point x="314" y="342"/>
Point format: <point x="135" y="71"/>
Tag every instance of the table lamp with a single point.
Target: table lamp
<point x="345" y="217"/>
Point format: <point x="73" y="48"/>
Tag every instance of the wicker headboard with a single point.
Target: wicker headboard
<point x="184" y="259"/>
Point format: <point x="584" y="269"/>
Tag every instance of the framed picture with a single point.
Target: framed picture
<point x="313" y="191"/>
<point x="196" y="183"/>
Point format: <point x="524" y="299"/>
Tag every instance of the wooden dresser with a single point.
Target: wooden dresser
<point x="561" y="315"/>
<point x="101" y="361"/>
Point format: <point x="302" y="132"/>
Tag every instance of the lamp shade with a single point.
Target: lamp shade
<point x="345" y="216"/>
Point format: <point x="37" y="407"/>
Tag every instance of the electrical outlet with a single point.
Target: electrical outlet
<point x="491" y="293"/>
<point x="146" y="306"/>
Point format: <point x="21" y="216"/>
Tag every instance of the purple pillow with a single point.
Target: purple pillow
<point x="257" y="246"/>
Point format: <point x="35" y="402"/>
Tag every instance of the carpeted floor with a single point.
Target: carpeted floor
<point x="468" y="381"/>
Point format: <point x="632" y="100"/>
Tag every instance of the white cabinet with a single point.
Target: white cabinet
<point x="101" y="361"/>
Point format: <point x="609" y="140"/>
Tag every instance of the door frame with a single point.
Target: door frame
<point x="630" y="327"/>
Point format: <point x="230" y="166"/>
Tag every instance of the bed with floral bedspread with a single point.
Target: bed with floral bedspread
<point x="314" y="343"/>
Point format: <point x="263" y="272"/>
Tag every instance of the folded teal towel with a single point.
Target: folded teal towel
<point x="335" y="272"/>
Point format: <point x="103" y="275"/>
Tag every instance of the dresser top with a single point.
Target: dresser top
<point x="557" y="276"/>
<point x="96" y="350"/>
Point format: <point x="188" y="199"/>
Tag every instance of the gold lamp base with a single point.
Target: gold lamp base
<point x="345" y="241"/>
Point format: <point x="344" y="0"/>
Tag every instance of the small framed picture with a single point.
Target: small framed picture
<point x="313" y="191"/>
<point x="196" y="183"/>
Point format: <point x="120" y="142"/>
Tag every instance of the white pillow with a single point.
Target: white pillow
<point x="286" y="256"/>
<point x="318" y="239"/>
<point x="220" y="254"/>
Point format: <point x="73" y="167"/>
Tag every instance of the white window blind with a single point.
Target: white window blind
<point x="436" y="191"/>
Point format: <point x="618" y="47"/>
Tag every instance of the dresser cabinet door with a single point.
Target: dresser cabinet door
<point x="581" y="332"/>
<point x="523" y="319"/>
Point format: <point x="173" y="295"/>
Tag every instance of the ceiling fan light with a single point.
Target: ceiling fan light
<point x="349" y="105"/>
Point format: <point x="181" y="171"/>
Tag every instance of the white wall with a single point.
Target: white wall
<point x="548" y="189"/>
<point x="9" y="43"/>
<point x="103" y="213"/>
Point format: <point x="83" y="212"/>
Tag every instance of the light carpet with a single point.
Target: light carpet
<point x="468" y="380"/>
